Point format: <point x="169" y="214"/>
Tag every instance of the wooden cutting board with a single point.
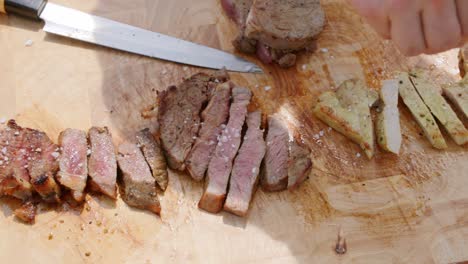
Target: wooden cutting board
<point x="407" y="209"/>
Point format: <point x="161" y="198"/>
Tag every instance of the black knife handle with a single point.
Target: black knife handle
<point x="27" y="8"/>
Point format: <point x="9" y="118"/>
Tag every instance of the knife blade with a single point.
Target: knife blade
<point x="78" y="25"/>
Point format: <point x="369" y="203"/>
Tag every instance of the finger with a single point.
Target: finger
<point x="406" y="32"/>
<point x="375" y="13"/>
<point x="441" y="28"/>
<point x="462" y="10"/>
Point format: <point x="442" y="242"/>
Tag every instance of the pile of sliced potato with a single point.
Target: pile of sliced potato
<point x="348" y="110"/>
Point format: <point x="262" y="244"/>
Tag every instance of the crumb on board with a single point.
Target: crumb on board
<point x="28" y="43"/>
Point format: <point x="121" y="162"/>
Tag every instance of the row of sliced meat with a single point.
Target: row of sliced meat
<point x="32" y="166"/>
<point x="205" y="130"/>
<point x="225" y="144"/>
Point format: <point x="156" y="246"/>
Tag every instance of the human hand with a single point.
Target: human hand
<point x="417" y="26"/>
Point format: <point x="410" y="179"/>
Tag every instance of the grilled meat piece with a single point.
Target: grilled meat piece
<point x="388" y="123"/>
<point x="28" y="158"/>
<point x="229" y="141"/>
<point x="102" y="164"/>
<point x="154" y="156"/>
<point x="138" y="185"/>
<point x="420" y="111"/>
<point x="214" y="117"/>
<point x="246" y="168"/>
<point x="179" y="116"/>
<point x="285" y="24"/>
<point x="275" y="169"/>
<point x="436" y="103"/>
<point x="26" y="213"/>
<point x="300" y="164"/>
<point x="73" y="162"/>
<point x="458" y="95"/>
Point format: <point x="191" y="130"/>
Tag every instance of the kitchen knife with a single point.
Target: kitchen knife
<point x="101" y="31"/>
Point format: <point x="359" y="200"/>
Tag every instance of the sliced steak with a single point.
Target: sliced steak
<point x="246" y="168"/>
<point x="275" y="171"/>
<point x="73" y="162"/>
<point x="102" y="164"/>
<point x="15" y="155"/>
<point x="27" y="212"/>
<point x="28" y="155"/>
<point x="179" y="116"/>
<point x="154" y="156"/>
<point x="285" y="24"/>
<point x="300" y="164"/>
<point x="229" y="141"/>
<point x="214" y="116"/>
<point x="138" y="185"/>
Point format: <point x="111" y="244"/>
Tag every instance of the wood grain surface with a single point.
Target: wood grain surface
<point x="407" y="209"/>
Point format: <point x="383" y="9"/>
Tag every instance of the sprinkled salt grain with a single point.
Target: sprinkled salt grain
<point x="28" y="43"/>
<point x="80" y="165"/>
<point x="38" y="150"/>
<point x="210" y="143"/>
<point x="256" y="86"/>
<point x="233" y="145"/>
<point x="216" y="81"/>
<point x="254" y="170"/>
<point x="16" y="133"/>
<point x="237" y="135"/>
<point x="267" y="88"/>
<point x="321" y="133"/>
<point x="22" y="151"/>
<point x="304" y="67"/>
<point x="2" y="120"/>
<point x="7" y="129"/>
<point x="324" y="50"/>
<point x="88" y="152"/>
<point x="220" y="144"/>
<point x="164" y="72"/>
<point x="1" y="162"/>
<point x="316" y="136"/>
<point x="55" y="154"/>
<point x="29" y="158"/>
<point x="194" y="137"/>
<point x="358" y="155"/>
<point x="25" y="166"/>
<point x="185" y="121"/>
<point x="4" y="150"/>
<point x="246" y="137"/>
<point x="185" y="68"/>
<point x="224" y="139"/>
<point x="223" y="126"/>
<point x="329" y="129"/>
<point x="6" y="159"/>
<point x="226" y="159"/>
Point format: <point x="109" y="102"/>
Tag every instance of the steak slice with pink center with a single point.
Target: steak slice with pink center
<point x="214" y="116"/>
<point x="102" y="164"/>
<point x="229" y="141"/>
<point x="138" y="184"/>
<point x="73" y="162"/>
<point x="246" y="168"/>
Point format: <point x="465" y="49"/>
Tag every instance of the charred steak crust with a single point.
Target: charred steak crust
<point x="246" y="168"/>
<point x="138" y="184"/>
<point x="219" y="168"/>
<point x="73" y="162"/>
<point x="28" y="160"/>
<point x="179" y="115"/>
<point x="214" y="116"/>
<point x="102" y="163"/>
<point x="154" y="157"/>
